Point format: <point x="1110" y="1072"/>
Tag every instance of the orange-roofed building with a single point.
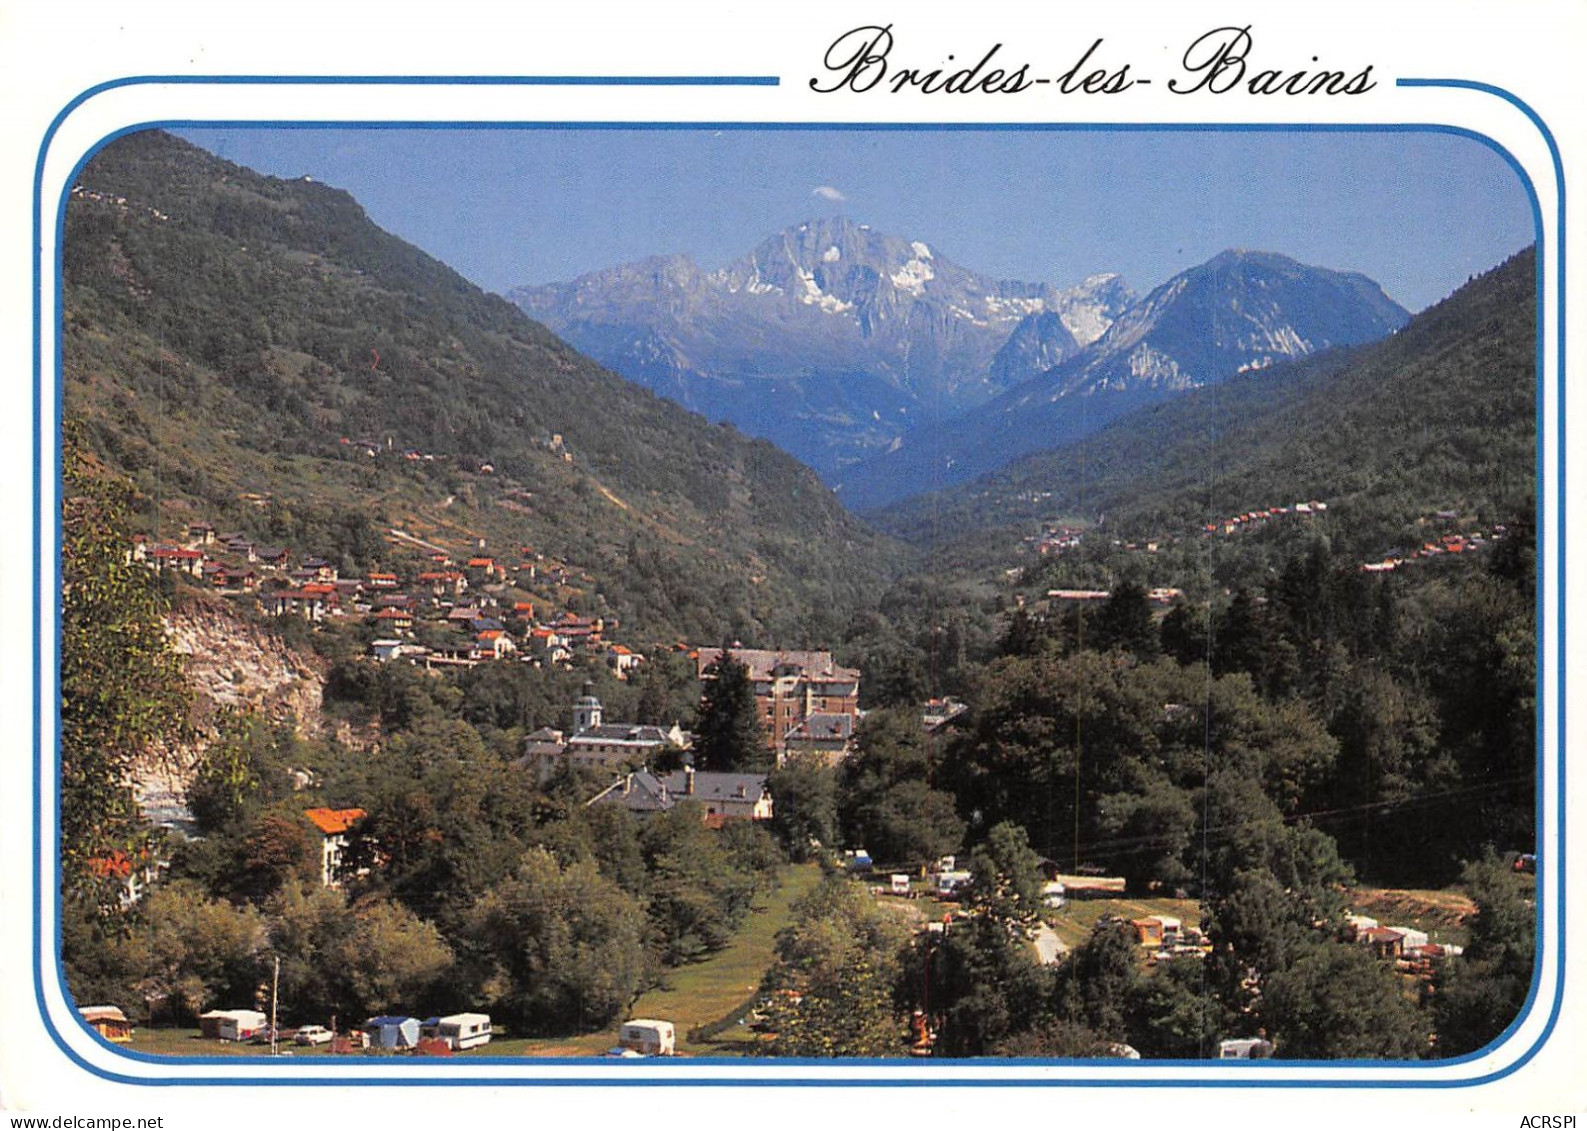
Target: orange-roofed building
<point x="334" y="825"/>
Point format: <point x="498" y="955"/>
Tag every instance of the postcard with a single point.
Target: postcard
<point x="861" y="563"/>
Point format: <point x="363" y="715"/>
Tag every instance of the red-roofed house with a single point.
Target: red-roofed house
<point x="494" y="644"/>
<point x="624" y="660"/>
<point x="442" y="582"/>
<point x="174" y="557"/>
<point x="295" y="602"/>
<point x="394" y="620"/>
<point x="334" y="826"/>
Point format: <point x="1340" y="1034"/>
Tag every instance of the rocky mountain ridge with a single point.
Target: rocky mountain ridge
<point x="1240" y="311"/>
<point x="830" y="338"/>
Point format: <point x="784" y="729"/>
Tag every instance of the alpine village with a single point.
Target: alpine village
<point x="429" y="689"/>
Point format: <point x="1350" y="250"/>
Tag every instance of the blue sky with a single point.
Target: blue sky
<point x="1419" y="212"/>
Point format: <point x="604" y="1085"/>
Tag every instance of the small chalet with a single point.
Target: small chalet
<point x="385" y="650"/>
<point x="296" y="602"/>
<point x="323" y="569"/>
<point x="1155" y="930"/>
<point x="239" y="546"/>
<point x="108" y="1021"/>
<point x="178" y="559"/>
<point x="494" y="644"/>
<point x="939" y="713"/>
<point x="623" y="660"/>
<point x="577" y="629"/>
<point x="240" y="580"/>
<point x="382" y="581"/>
<point x="334" y="827"/>
<point x="1385" y="942"/>
<point x="543" y="745"/>
<point x="444" y="582"/>
<point x="394" y="620"/>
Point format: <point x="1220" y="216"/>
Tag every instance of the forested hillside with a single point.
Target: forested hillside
<point x="255" y="353"/>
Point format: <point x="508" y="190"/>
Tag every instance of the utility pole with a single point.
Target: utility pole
<point x="275" y="985"/>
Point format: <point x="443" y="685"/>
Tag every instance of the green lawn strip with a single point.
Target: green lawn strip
<point x="189" y="1042"/>
<point x="702" y="992"/>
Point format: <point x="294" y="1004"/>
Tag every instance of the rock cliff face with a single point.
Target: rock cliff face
<point x="231" y="663"/>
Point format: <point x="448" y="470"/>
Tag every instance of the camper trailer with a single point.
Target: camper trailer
<point x="949" y="885"/>
<point x="232" y="1024"/>
<point x="1245" y="1048"/>
<point x="649" y="1038"/>
<point x="460" y="1030"/>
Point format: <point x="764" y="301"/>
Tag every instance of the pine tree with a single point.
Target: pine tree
<point x="727" y="734"/>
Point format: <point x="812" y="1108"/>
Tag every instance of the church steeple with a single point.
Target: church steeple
<point x="586" y="711"/>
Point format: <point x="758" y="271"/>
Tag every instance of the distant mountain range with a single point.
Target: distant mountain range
<point x="830" y="338"/>
<point x="890" y="369"/>
<point x="1439" y="417"/>
<point x="1241" y="311"/>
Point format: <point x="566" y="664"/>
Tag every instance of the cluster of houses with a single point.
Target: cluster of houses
<point x="629" y="750"/>
<point x="374" y="449"/>
<point x="1445" y="544"/>
<point x="1252" y="519"/>
<point x="1055" y="538"/>
<point x="120" y="203"/>
<point x="457" y="605"/>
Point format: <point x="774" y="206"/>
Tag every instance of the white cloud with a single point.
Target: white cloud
<point x="827" y="192"/>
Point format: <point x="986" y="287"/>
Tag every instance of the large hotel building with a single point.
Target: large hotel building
<point x="799" y="693"/>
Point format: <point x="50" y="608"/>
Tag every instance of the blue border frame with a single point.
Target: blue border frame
<point x="1125" y="1071"/>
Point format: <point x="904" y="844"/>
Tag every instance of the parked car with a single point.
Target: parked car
<point x="314" y="1035"/>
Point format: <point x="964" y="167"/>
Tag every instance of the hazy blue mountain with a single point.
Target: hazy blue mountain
<point x="830" y="338"/>
<point x="1240" y="311"/>
<point x="1439" y="416"/>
